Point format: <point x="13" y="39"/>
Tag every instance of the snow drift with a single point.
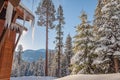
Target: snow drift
<point x="92" y="77"/>
<point x="32" y="78"/>
<point x="74" y="77"/>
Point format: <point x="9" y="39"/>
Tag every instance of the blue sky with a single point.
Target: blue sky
<point x="72" y="10"/>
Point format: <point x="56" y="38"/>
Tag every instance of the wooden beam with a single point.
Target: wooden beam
<point x="21" y="9"/>
<point x="2" y="37"/>
<point x="15" y="16"/>
<point x="7" y="56"/>
<point x="17" y="41"/>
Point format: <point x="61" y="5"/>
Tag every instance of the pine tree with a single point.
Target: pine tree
<point x="19" y="57"/>
<point x="109" y="35"/>
<point x="59" y="38"/>
<point x="46" y="13"/>
<point x="68" y="53"/>
<point x="83" y="47"/>
<point x="39" y="67"/>
<point x="98" y="16"/>
<point x="64" y="66"/>
<point x="51" y="60"/>
<point x="54" y="65"/>
<point x="23" y="67"/>
<point x="32" y="68"/>
<point x="97" y="23"/>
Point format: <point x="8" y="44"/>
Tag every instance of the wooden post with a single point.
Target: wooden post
<point x="2" y="37"/>
<point x="7" y="56"/>
<point x="7" y="42"/>
<point x="17" y="41"/>
<point x="116" y="64"/>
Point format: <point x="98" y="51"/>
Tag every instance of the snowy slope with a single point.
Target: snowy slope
<point x="92" y="77"/>
<point x="32" y="78"/>
<point x="75" y="77"/>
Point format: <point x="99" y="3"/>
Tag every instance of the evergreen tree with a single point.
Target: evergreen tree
<point x="98" y="13"/>
<point x="68" y="53"/>
<point x="23" y="67"/>
<point x="59" y="37"/>
<point x="64" y="66"/>
<point x="20" y="51"/>
<point x="46" y="13"/>
<point x="98" y="17"/>
<point x="97" y="23"/>
<point x="32" y="69"/>
<point x="108" y="35"/>
<point x="51" y="66"/>
<point x="39" y="67"/>
<point x="83" y="47"/>
<point x="54" y="65"/>
<point x="19" y="57"/>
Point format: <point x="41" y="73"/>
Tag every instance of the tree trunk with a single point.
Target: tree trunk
<point x="116" y="65"/>
<point x="46" y="64"/>
<point x="59" y="62"/>
<point x="59" y="52"/>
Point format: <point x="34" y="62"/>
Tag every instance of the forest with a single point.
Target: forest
<point x="94" y="49"/>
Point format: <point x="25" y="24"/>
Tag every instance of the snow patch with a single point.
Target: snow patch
<point x="92" y="77"/>
<point x="32" y="78"/>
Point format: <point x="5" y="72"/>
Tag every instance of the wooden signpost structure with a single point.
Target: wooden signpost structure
<point x="8" y="33"/>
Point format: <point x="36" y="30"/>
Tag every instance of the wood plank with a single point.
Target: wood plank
<point x="17" y="41"/>
<point x="2" y="37"/>
<point x="7" y="56"/>
<point x="1" y="27"/>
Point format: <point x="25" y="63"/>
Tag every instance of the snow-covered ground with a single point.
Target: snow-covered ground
<point x="32" y="78"/>
<point x="92" y="77"/>
<point x="75" y="77"/>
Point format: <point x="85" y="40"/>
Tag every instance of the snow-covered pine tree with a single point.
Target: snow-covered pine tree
<point x="26" y="71"/>
<point x="46" y="17"/>
<point x="68" y="53"/>
<point x="39" y="67"/>
<point x="59" y="37"/>
<point x="98" y="14"/>
<point x="31" y="69"/>
<point x="19" y="57"/>
<point x="97" y="22"/>
<point x="23" y="68"/>
<point x="51" y="61"/>
<point x="64" y="66"/>
<point x="54" y="65"/>
<point x="83" y="47"/>
<point x="109" y="36"/>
